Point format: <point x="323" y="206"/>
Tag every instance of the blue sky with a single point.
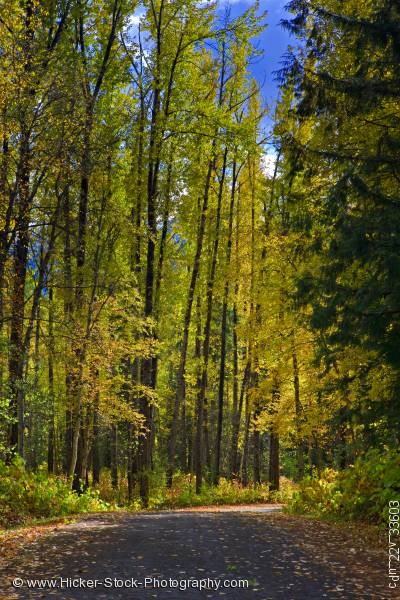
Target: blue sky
<point x="274" y="42"/>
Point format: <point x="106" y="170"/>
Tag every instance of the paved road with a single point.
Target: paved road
<point x="277" y="560"/>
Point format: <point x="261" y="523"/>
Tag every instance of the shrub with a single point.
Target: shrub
<point x="183" y="494"/>
<point x="25" y="495"/>
<point x="116" y="497"/>
<point x="360" y="492"/>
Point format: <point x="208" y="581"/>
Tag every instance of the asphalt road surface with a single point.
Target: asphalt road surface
<point x="242" y="554"/>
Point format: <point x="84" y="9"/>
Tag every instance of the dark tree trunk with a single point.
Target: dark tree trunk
<point x="148" y="367"/>
<point x="298" y="412"/>
<point x="20" y="255"/>
<point x="236" y="413"/>
<point x="6" y="236"/>
<point x="75" y="374"/>
<point x="68" y="309"/>
<point x="273" y="476"/>
<point x="180" y="380"/>
<point x="203" y="422"/>
<point x="114" y="456"/>
<point x="96" y="463"/>
<point x="245" y="458"/>
<point x="256" y="457"/>
<point x="6" y="200"/>
<point x="221" y="384"/>
<point x="16" y="354"/>
<point x="51" y="444"/>
<point x="235" y="396"/>
<point x="274" y="466"/>
<point x="236" y="419"/>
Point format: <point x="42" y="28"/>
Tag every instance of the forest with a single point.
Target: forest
<point x="188" y="293"/>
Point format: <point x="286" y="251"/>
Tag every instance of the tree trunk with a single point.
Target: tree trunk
<point x="68" y="309"/>
<point x="236" y="419"/>
<point x="91" y="94"/>
<point x="245" y="456"/>
<point x="274" y="468"/>
<point x="6" y="237"/>
<point x="16" y="354"/>
<point x="96" y="464"/>
<point x="114" y="456"/>
<point x="202" y="422"/>
<point x="298" y="412"/>
<point x="51" y="444"/>
<point x="273" y="461"/>
<point x="180" y="380"/>
<point x="148" y="367"/>
<point x="76" y="373"/>
<point x="256" y="458"/>
<point x="223" y="332"/>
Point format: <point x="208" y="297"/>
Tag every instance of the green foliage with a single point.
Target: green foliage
<point x="25" y="495"/>
<point x="338" y="172"/>
<point x="361" y="492"/>
<point x="183" y="494"/>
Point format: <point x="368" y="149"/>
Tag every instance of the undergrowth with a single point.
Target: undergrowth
<point x="359" y="493"/>
<point x="183" y="492"/>
<point x="25" y="496"/>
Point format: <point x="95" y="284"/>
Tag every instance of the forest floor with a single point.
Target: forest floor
<point x="280" y="556"/>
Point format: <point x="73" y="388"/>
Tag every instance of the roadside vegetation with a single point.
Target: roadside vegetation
<point x="27" y="496"/>
<point x="361" y="492"/>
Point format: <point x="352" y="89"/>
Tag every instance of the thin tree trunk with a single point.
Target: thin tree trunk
<point x="79" y="358"/>
<point x="91" y="96"/>
<point x="96" y="464"/>
<point x="256" y="434"/>
<point x="237" y="416"/>
<point x="23" y="201"/>
<point x="298" y="413"/>
<point x="202" y="421"/>
<point x="16" y="355"/>
<point x="236" y="407"/>
<point x="223" y="334"/>
<point x="6" y="237"/>
<point x="163" y="239"/>
<point x="273" y="461"/>
<point x="114" y="456"/>
<point x="180" y="380"/>
<point x="86" y="445"/>
<point x="136" y="268"/>
<point x="129" y="461"/>
<point x="51" y="444"/>
<point x="34" y="411"/>
<point x="148" y="368"/>
<point x="6" y="199"/>
<point x="274" y="467"/>
<point x="68" y="309"/>
<point x="245" y="456"/>
<point x="256" y="457"/>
